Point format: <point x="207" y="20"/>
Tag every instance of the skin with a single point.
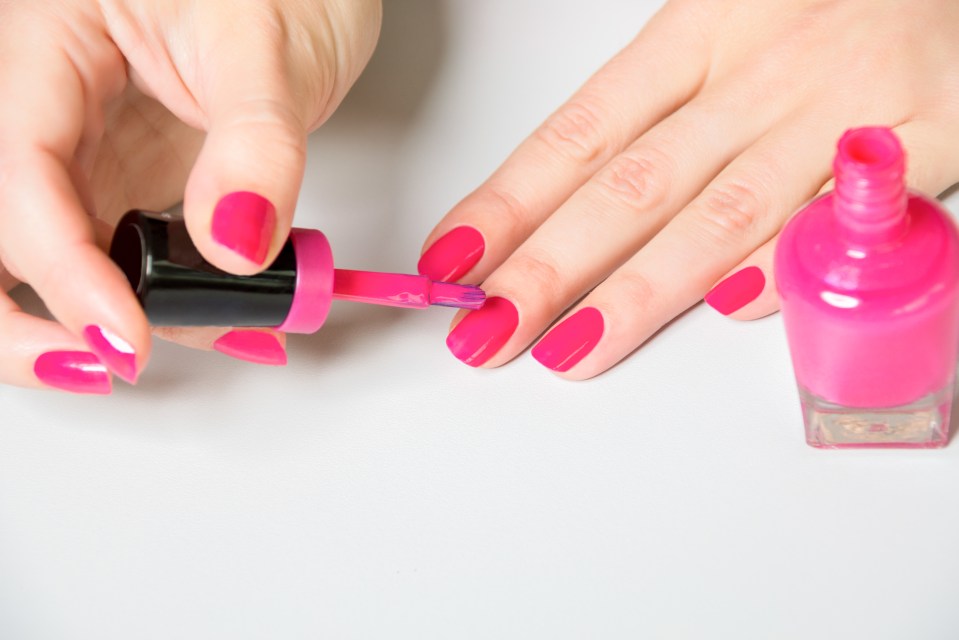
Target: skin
<point x="679" y="161"/>
<point x="673" y="167"/>
<point x="122" y="103"/>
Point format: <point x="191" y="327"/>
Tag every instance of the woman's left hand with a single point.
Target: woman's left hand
<point x="667" y="177"/>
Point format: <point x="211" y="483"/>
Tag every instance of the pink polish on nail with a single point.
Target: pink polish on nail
<point x="736" y="291"/>
<point x="245" y="222"/>
<point x="482" y="333"/>
<point x="113" y="351"/>
<point x="453" y="255"/>
<point x="73" y="371"/>
<point x="571" y="340"/>
<point x="259" y="347"/>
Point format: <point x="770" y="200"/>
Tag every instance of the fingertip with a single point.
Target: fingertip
<point x="244" y="222"/>
<point x="452" y="255"/>
<point x="241" y="194"/>
<point x="568" y="343"/>
<point x="118" y="355"/>
<point x="258" y="346"/>
<point x="250" y="344"/>
<point x="481" y="334"/>
<point x="737" y="290"/>
<point x="76" y="372"/>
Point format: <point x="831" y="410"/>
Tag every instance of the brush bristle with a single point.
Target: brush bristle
<point x="460" y="296"/>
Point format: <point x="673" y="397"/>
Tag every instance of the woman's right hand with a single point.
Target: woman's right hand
<point x="120" y="104"/>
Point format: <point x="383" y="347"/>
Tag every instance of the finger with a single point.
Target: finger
<point x="616" y="213"/>
<point x="611" y="216"/>
<point x="646" y="81"/>
<point x="242" y="192"/>
<point x="259" y="346"/>
<point x="748" y="292"/>
<point x="742" y="208"/>
<point x="45" y="234"/>
<point x="7" y="281"/>
<point x="41" y="354"/>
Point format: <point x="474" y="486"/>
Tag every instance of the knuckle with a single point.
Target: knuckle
<point x="507" y="207"/>
<point x="273" y="112"/>
<point x="50" y="278"/>
<point x="273" y="120"/>
<point x="575" y="131"/>
<point x="634" y="291"/>
<point x="730" y="212"/>
<point x="540" y="274"/>
<point x="637" y="180"/>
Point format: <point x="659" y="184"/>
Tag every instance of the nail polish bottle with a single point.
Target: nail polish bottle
<point x="868" y="276"/>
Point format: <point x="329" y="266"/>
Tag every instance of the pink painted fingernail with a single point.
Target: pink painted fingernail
<point x="244" y="222"/>
<point x="482" y="333"/>
<point x="259" y="347"/>
<point x="453" y="255"/>
<point x="736" y="291"/>
<point x="73" y="371"/>
<point x="571" y="340"/>
<point x="113" y="351"/>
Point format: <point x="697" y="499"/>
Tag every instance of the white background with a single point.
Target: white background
<point x="377" y="488"/>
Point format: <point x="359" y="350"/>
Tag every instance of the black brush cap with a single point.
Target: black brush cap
<point x="177" y="287"/>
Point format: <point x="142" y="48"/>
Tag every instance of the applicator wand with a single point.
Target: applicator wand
<point x="177" y="287"/>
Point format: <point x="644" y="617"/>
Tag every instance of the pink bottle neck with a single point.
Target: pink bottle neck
<point x="870" y="199"/>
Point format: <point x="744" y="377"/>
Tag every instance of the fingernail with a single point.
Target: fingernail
<point x="571" y="340"/>
<point x="482" y="333"/>
<point x="113" y="351"/>
<point x="244" y="222"/>
<point x="259" y="347"/>
<point x="73" y="371"/>
<point x="736" y="291"/>
<point x="453" y="255"/>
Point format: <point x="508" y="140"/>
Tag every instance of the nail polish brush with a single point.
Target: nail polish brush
<point x="178" y="287"/>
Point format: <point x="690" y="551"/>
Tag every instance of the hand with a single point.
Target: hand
<point x="119" y="104"/>
<point x="675" y="166"/>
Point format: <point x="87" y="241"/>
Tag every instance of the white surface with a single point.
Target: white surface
<point x="376" y="488"/>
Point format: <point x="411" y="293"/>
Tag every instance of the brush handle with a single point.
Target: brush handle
<point x="386" y="289"/>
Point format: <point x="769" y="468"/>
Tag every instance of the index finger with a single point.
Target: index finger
<point x="46" y="236"/>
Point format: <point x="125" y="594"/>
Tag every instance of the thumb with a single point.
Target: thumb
<point x="243" y="189"/>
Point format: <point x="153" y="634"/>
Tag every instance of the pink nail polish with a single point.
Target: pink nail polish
<point x="73" y="371"/>
<point x="571" y="340"/>
<point x="453" y="255"/>
<point x="117" y="354"/>
<point x="868" y="276"/>
<point x="736" y="291"/>
<point x="259" y="347"/>
<point x="482" y="333"/>
<point x="245" y="222"/>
